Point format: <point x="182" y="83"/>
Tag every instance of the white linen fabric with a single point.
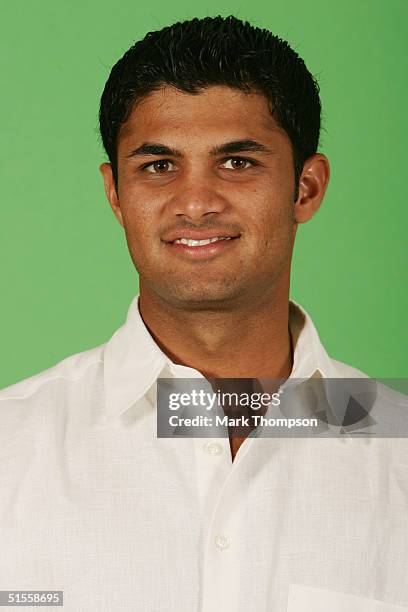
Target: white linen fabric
<point x="323" y="600"/>
<point x="94" y="504"/>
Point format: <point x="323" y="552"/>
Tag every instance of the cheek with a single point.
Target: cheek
<point x="273" y="221"/>
<point x="138" y="219"/>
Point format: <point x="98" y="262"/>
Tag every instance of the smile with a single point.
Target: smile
<point x="196" y="243"/>
<point x="203" y="249"/>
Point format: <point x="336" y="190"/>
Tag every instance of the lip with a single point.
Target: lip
<point x="205" y="251"/>
<point x="198" y="235"/>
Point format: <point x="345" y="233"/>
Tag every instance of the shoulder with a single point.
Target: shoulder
<point x="385" y="394"/>
<point x="67" y="372"/>
<point x="345" y="370"/>
<point x="40" y="413"/>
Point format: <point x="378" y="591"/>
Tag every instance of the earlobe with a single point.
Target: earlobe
<point x="110" y="190"/>
<point x="312" y="187"/>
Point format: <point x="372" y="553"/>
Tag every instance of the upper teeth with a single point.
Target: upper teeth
<point x="198" y="242"/>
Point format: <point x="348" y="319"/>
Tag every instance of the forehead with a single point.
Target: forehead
<point x="216" y="113"/>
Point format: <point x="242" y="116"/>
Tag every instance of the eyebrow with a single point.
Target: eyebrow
<point x="235" y="146"/>
<point x="238" y="146"/>
<point x="152" y="148"/>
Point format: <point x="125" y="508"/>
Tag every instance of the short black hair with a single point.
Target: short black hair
<point x="192" y="55"/>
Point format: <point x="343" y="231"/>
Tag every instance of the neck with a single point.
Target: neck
<point x="251" y="341"/>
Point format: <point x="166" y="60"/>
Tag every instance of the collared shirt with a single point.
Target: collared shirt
<point x="93" y="503"/>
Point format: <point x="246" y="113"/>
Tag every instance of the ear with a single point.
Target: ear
<point x="110" y="190"/>
<point x="312" y="187"/>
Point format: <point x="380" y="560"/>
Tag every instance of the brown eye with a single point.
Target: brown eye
<point x="160" y="167"/>
<point x="237" y="163"/>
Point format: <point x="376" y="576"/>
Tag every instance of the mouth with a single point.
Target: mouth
<point x="203" y="248"/>
<point x="196" y="243"/>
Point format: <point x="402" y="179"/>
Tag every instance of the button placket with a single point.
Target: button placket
<point x="212" y="448"/>
<point x="222" y="541"/>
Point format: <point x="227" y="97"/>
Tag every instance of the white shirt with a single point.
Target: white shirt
<point x="94" y="504"/>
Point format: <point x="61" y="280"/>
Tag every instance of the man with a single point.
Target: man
<point x="211" y="128"/>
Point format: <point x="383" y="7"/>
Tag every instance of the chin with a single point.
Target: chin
<point x="200" y="297"/>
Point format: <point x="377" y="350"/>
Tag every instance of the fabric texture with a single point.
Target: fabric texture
<point x="94" y="504"/>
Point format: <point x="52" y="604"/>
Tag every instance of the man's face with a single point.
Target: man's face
<point x="209" y="165"/>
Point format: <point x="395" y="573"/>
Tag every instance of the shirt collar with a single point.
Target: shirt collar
<point x="133" y="361"/>
<point x="309" y="355"/>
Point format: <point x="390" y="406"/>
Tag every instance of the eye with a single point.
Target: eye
<point x="237" y="163"/>
<point x="159" y="167"/>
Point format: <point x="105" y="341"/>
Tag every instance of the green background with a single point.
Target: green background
<point x="66" y="276"/>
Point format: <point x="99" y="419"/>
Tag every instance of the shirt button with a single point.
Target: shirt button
<point x="212" y="448"/>
<point x="222" y="541"/>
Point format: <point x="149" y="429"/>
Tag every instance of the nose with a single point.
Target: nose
<point x="196" y="196"/>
